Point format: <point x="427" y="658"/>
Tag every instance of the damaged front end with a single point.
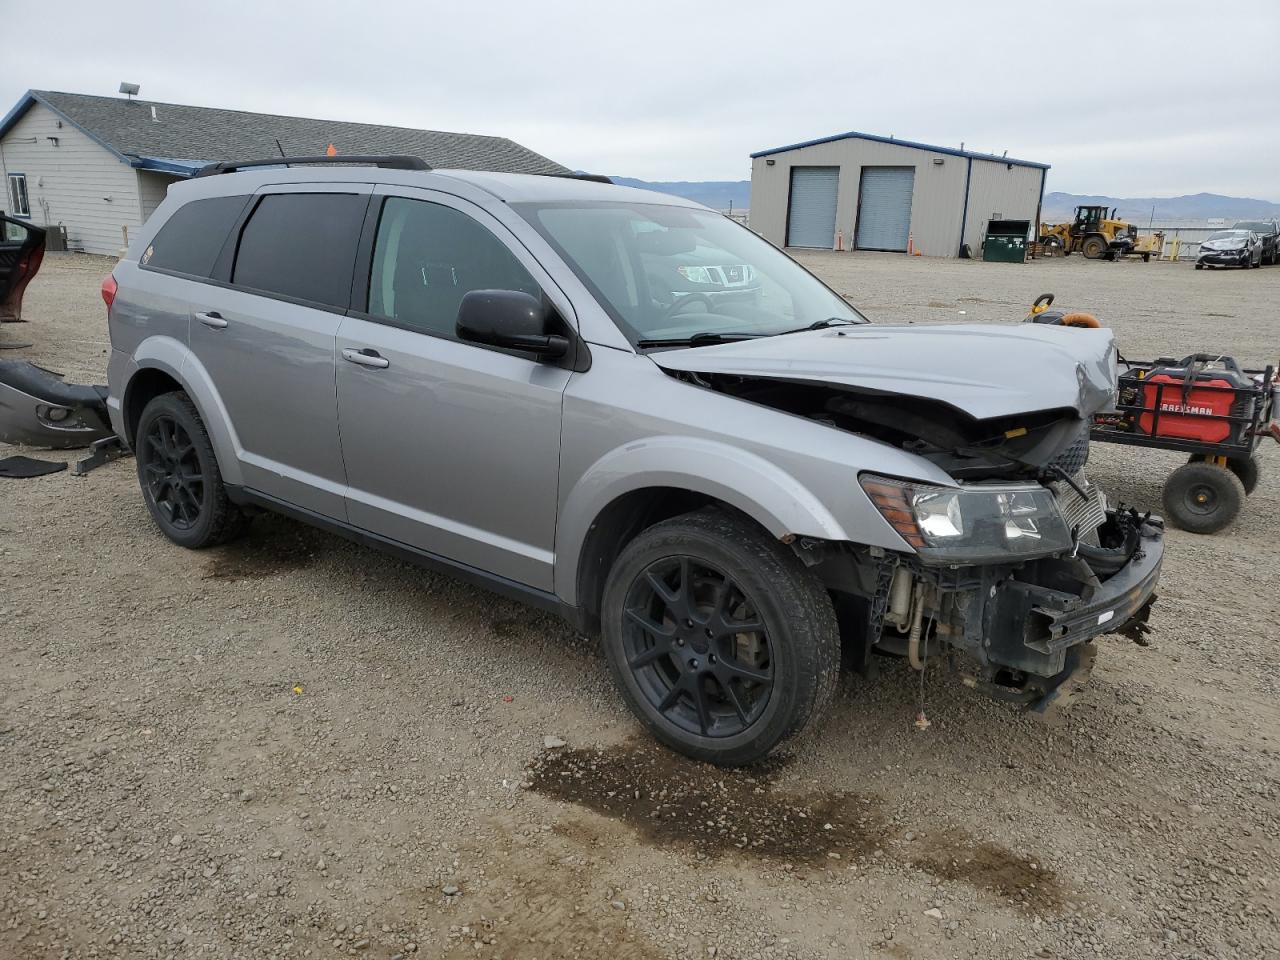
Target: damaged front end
<point x="1017" y="631"/>
<point x="1011" y="594"/>
<point x="1017" y="565"/>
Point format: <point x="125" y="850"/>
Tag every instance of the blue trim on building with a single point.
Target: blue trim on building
<point x="181" y="168"/>
<point x="19" y="108"/>
<point x="949" y="151"/>
<point x="30" y="98"/>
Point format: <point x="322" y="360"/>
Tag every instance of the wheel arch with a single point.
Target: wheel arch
<point x="637" y="486"/>
<point x="164" y="365"/>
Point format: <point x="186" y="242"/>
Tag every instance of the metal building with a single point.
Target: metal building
<point x="879" y="193"/>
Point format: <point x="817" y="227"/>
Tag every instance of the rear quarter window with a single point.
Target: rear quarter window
<point x="302" y="246"/>
<point x="190" y="240"/>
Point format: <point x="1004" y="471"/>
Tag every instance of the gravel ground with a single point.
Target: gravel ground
<point x="294" y="747"/>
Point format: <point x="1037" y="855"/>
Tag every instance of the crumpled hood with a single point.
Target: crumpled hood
<point x="984" y="370"/>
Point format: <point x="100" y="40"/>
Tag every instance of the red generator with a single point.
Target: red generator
<point x="1208" y="408"/>
<point x="1202" y="397"/>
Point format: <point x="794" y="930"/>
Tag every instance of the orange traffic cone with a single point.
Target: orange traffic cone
<point x="911" y="245"/>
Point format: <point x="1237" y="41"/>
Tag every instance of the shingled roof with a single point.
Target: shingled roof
<point x="180" y="138"/>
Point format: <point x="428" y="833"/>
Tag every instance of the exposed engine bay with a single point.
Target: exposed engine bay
<point x="1020" y="446"/>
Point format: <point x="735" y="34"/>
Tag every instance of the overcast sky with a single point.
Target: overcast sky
<point x="1126" y="99"/>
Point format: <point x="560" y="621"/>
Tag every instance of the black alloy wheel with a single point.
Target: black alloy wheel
<point x="721" y="641"/>
<point x="697" y="647"/>
<point x="179" y="476"/>
<point x="172" y="472"/>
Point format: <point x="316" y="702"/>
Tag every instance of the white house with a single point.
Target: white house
<point x="99" y="166"/>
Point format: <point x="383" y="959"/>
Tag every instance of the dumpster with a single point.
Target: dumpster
<point x="1006" y="241"/>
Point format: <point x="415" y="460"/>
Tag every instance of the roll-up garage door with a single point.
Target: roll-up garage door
<point x="811" y="220"/>
<point x="884" y="207"/>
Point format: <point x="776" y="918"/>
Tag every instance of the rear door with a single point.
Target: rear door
<point x="21" y="250"/>
<point x="450" y="447"/>
<point x="266" y="337"/>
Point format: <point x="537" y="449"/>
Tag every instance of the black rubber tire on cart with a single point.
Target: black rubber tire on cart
<point x="178" y="473"/>
<point x="1203" y="497"/>
<point x="723" y="644"/>
<point x="1248" y="469"/>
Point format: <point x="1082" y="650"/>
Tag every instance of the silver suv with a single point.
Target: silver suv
<point x="626" y="408"/>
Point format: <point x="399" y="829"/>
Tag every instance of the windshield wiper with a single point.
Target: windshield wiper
<point x="698" y="339"/>
<point x="821" y="325"/>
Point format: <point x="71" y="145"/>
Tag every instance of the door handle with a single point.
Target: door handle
<point x="212" y="319"/>
<point x="366" y="358"/>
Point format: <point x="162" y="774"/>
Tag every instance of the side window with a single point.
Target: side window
<point x="302" y="245"/>
<point x="190" y="240"/>
<point x="19" y="204"/>
<point x="427" y="256"/>
<point x="12" y="232"/>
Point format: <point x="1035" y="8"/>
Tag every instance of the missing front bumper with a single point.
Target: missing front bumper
<point x="40" y="409"/>
<point x="1037" y="622"/>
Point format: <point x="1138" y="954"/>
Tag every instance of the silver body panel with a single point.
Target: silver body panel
<point x="500" y="463"/>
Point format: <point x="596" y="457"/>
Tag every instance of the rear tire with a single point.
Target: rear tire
<point x="1203" y="497"/>
<point x="1248" y="469"/>
<point x="675" y="617"/>
<point x="178" y="473"/>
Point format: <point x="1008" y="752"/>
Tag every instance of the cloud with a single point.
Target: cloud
<point x="1120" y="99"/>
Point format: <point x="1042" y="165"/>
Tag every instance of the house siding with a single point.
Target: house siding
<point x="70" y="183"/>
<point x="152" y="189"/>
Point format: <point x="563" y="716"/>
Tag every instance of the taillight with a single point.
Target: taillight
<point x="109" y="288"/>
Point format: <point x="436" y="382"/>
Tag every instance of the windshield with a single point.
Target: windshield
<point x="1257" y="226"/>
<point x="1229" y="235"/>
<point x="671" y="273"/>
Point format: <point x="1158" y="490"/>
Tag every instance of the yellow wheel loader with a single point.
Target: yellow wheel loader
<point x="1097" y="234"/>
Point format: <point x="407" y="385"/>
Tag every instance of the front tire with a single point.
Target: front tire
<point x="178" y="473"/>
<point x="1093" y="247"/>
<point x="720" y="640"/>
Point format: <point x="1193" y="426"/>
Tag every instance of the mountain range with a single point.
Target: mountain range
<point x="736" y="195"/>
<point x="1197" y="206"/>
<point x="716" y="194"/>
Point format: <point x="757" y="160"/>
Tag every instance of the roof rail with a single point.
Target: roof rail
<point x="593" y="177"/>
<point x="390" y="162"/>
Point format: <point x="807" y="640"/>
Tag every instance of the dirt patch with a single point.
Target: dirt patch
<point x="542" y="902"/>
<point x="274" y="545"/>
<point x="672" y="801"/>
<point x="988" y="867"/>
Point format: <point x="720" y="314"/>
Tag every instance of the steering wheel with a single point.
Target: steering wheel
<point x="680" y="302"/>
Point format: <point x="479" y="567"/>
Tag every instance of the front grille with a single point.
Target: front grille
<point x="1082" y="514"/>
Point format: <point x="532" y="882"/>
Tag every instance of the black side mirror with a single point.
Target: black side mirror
<point x="510" y="319"/>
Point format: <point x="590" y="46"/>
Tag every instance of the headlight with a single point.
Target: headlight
<point x="979" y="523"/>
<point x="697" y="275"/>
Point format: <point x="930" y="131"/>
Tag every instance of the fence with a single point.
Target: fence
<point x="1184" y="240"/>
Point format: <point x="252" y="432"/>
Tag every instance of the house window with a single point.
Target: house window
<point x="18" y="202"/>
